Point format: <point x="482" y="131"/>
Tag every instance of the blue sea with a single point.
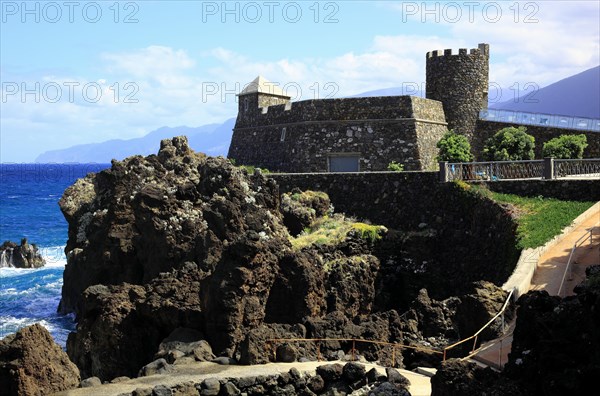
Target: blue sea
<point x="29" y="195"/>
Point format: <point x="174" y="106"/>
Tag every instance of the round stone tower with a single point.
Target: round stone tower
<point x="460" y="82"/>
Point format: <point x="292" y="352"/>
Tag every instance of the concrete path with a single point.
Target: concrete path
<point x="197" y="372"/>
<point x="548" y="276"/>
<point x="552" y="264"/>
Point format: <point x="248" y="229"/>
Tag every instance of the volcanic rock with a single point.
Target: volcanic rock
<point x="456" y="377"/>
<point x="176" y="239"/>
<point x="31" y="363"/>
<point x="301" y="208"/>
<point x="24" y="255"/>
<point x="556" y="343"/>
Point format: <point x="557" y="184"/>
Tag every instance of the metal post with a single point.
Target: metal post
<point x="319" y="357"/>
<point x="444" y="177"/>
<point x="500" y="355"/>
<point x="548" y="172"/>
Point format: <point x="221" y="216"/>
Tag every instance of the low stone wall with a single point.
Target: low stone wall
<point x="572" y="190"/>
<point x="486" y="129"/>
<point x="395" y="199"/>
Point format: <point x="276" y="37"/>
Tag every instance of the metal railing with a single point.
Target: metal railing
<point x="569" y="268"/>
<point x="577" y="167"/>
<point x="548" y="168"/>
<point x="271" y="343"/>
<point x="540" y="119"/>
<point x="495" y="170"/>
<point x="475" y="337"/>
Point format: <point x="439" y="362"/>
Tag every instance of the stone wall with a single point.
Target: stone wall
<point x="460" y="82"/>
<point x="444" y="236"/>
<point x="395" y="199"/>
<point x="301" y="136"/>
<point x="572" y="190"/>
<point x="487" y="129"/>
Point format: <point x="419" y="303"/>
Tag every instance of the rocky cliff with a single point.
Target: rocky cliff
<point x="183" y="241"/>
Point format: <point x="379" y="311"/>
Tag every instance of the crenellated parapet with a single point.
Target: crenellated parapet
<point x="481" y="50"/>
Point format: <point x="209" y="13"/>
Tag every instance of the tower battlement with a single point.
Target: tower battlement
<point x="481" y="50"/>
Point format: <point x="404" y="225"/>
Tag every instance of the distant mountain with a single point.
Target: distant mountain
<point x="212" y="139"/>
<point x="578" y="95"/>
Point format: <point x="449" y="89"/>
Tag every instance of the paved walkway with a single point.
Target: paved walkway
<point x="548" y="276"/>
<point x="197" y="372"/>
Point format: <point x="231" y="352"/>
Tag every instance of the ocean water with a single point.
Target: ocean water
<point x="29" y="195"/>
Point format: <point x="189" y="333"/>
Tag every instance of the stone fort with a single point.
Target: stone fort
<point x="366" y="134"/>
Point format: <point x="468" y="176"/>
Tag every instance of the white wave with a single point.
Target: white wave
<point x="8" y="272"/>
<point x="54" y="255"/>
<point x="57" y="285"/>
<point x="10" y="325"/>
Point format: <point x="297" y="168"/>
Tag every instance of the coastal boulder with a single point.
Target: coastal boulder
<point x="31" y="363"/>
<point x="25" y="255"/>
<point x="457" y="377"/>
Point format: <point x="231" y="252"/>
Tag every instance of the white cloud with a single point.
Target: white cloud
<point x="175" y="87"/>
<point x="149" y="62"/>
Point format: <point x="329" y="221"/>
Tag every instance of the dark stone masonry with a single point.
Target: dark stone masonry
<point x="460" y="82"/>
<point x="366" y="134"/>
<point x="361" y="134"/>
<point x="310" y="136"/>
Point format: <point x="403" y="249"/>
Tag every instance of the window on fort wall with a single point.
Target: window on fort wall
<point x="343" y="163"/>
<point x="283" y="132"/>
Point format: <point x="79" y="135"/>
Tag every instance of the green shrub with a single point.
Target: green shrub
<point x="369" y="232"/>
<point x="510" y="144"/>
<point x="454" y="148"/>
<point x="331" y="230"/>
<point x="565" y="147"/>
<point x="395" y="166"/>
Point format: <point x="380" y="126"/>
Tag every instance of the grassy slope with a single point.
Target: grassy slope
<point x="540" y="219"/>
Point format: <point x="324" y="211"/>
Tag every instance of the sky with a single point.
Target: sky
<point x="75" y="72"/>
